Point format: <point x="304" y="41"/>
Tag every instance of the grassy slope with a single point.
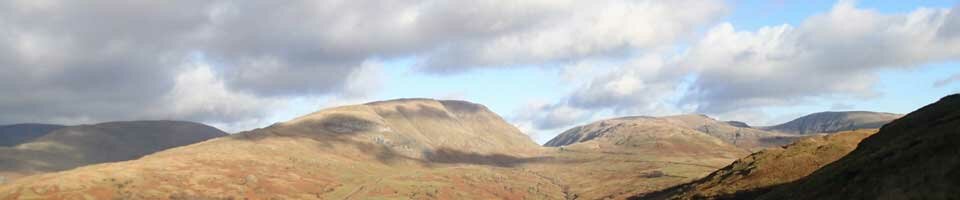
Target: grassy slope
<point x="756" y="174"/>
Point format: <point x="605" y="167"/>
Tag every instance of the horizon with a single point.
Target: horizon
<point x="544" y="66"/>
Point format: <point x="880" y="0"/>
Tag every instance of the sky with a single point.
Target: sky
<point x="544" y="65"/>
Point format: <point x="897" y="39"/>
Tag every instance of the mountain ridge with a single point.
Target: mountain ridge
<point x="833" y="121"/>
<point x="14" y="134"/>
<point x="80" y="145"/>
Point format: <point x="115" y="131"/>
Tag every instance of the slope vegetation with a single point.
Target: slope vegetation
<point x="625" y="156"/>
<point x="756" y="174"/>
<point x="400" y="149"/>
<point x="76" y="146"/>
<point x="914" y="157"/>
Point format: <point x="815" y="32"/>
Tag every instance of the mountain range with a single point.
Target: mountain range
<point x="398" y="149"/>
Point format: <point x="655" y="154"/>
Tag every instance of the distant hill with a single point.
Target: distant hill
<point x="75" y="146"/>
<point x="735" y="133"/>
<point x="621" y="157"/>
<point x="647" y="133"/>
<point x="11" y="135"/>
<point x="914" y="157"/>
<point x="758" y="173"/>
<point x="829" y="122"/>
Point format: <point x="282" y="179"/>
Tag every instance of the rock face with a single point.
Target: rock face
<point x="75" y="146"/>
<point x="408" y="148"/>
<point x="12" y="135"/>
<point x="914" y="157"/>
<point x="758" y="173"/>
<point x="829" y="122"/>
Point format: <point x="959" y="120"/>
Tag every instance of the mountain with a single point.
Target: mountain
<point x="75" y="146"/>
<point x="645" y="134"/>
<point x="756" y="174"/>
<point x="914" y="157"/>
<point x="400" y="149"/>
<point x="732" y="132"/>
<point x="737" y="133"/>
<point x="828" y="122"/>
<point x="12" y="135"/>
<point x="621" y="157"/>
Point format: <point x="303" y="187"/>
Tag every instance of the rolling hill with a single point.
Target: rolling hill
<point x="75" y="146"/>
<point x="914" y="157"/>
<point x="622" y="157"/>
<point x="756" y="174"/>
<point x="14" y="134"/>
<point x="829" y="122"/>
<point x="398" y="149"/>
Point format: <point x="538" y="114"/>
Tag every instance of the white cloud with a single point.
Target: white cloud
<point x="734" y="73"/>
<point x="99" y="60"/>
<point x="198" y="94"/>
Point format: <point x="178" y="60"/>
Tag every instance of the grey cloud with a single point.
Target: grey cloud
<point x="947" y="81"/>
<point x="64" y="61"/>
<point x="550" y="116"/>
<point x="582" y="29"/>
<point x="80" y="61"/>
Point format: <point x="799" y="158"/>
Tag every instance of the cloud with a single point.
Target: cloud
<point x="574" y="30"/>
<point x="947" y="81"/>
<point x="78" y="62"/>
<point x="730" y="71"/>
<point x="833" y="54"/>
<point x="542" y="116"/>
<point x="199" y="95"/>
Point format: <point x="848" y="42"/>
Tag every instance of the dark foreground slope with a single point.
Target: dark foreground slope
<point x="75" y="146"/>
<point x="756" y="174"/>
<point x="14" y="134"/>
<point x="829" y="122"/>
<point x="914" y="157"/>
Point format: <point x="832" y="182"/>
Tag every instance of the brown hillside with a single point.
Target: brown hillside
<point x="756" y="174"/>
<point x="625" y="156"/>
<point x="402" y="149"/>
<point x="738" y="134"/>
<point x="914" y="157"/>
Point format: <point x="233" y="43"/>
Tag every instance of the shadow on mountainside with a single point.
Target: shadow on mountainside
<point x="669" y="193"/>
<point x="341" y="130"/>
